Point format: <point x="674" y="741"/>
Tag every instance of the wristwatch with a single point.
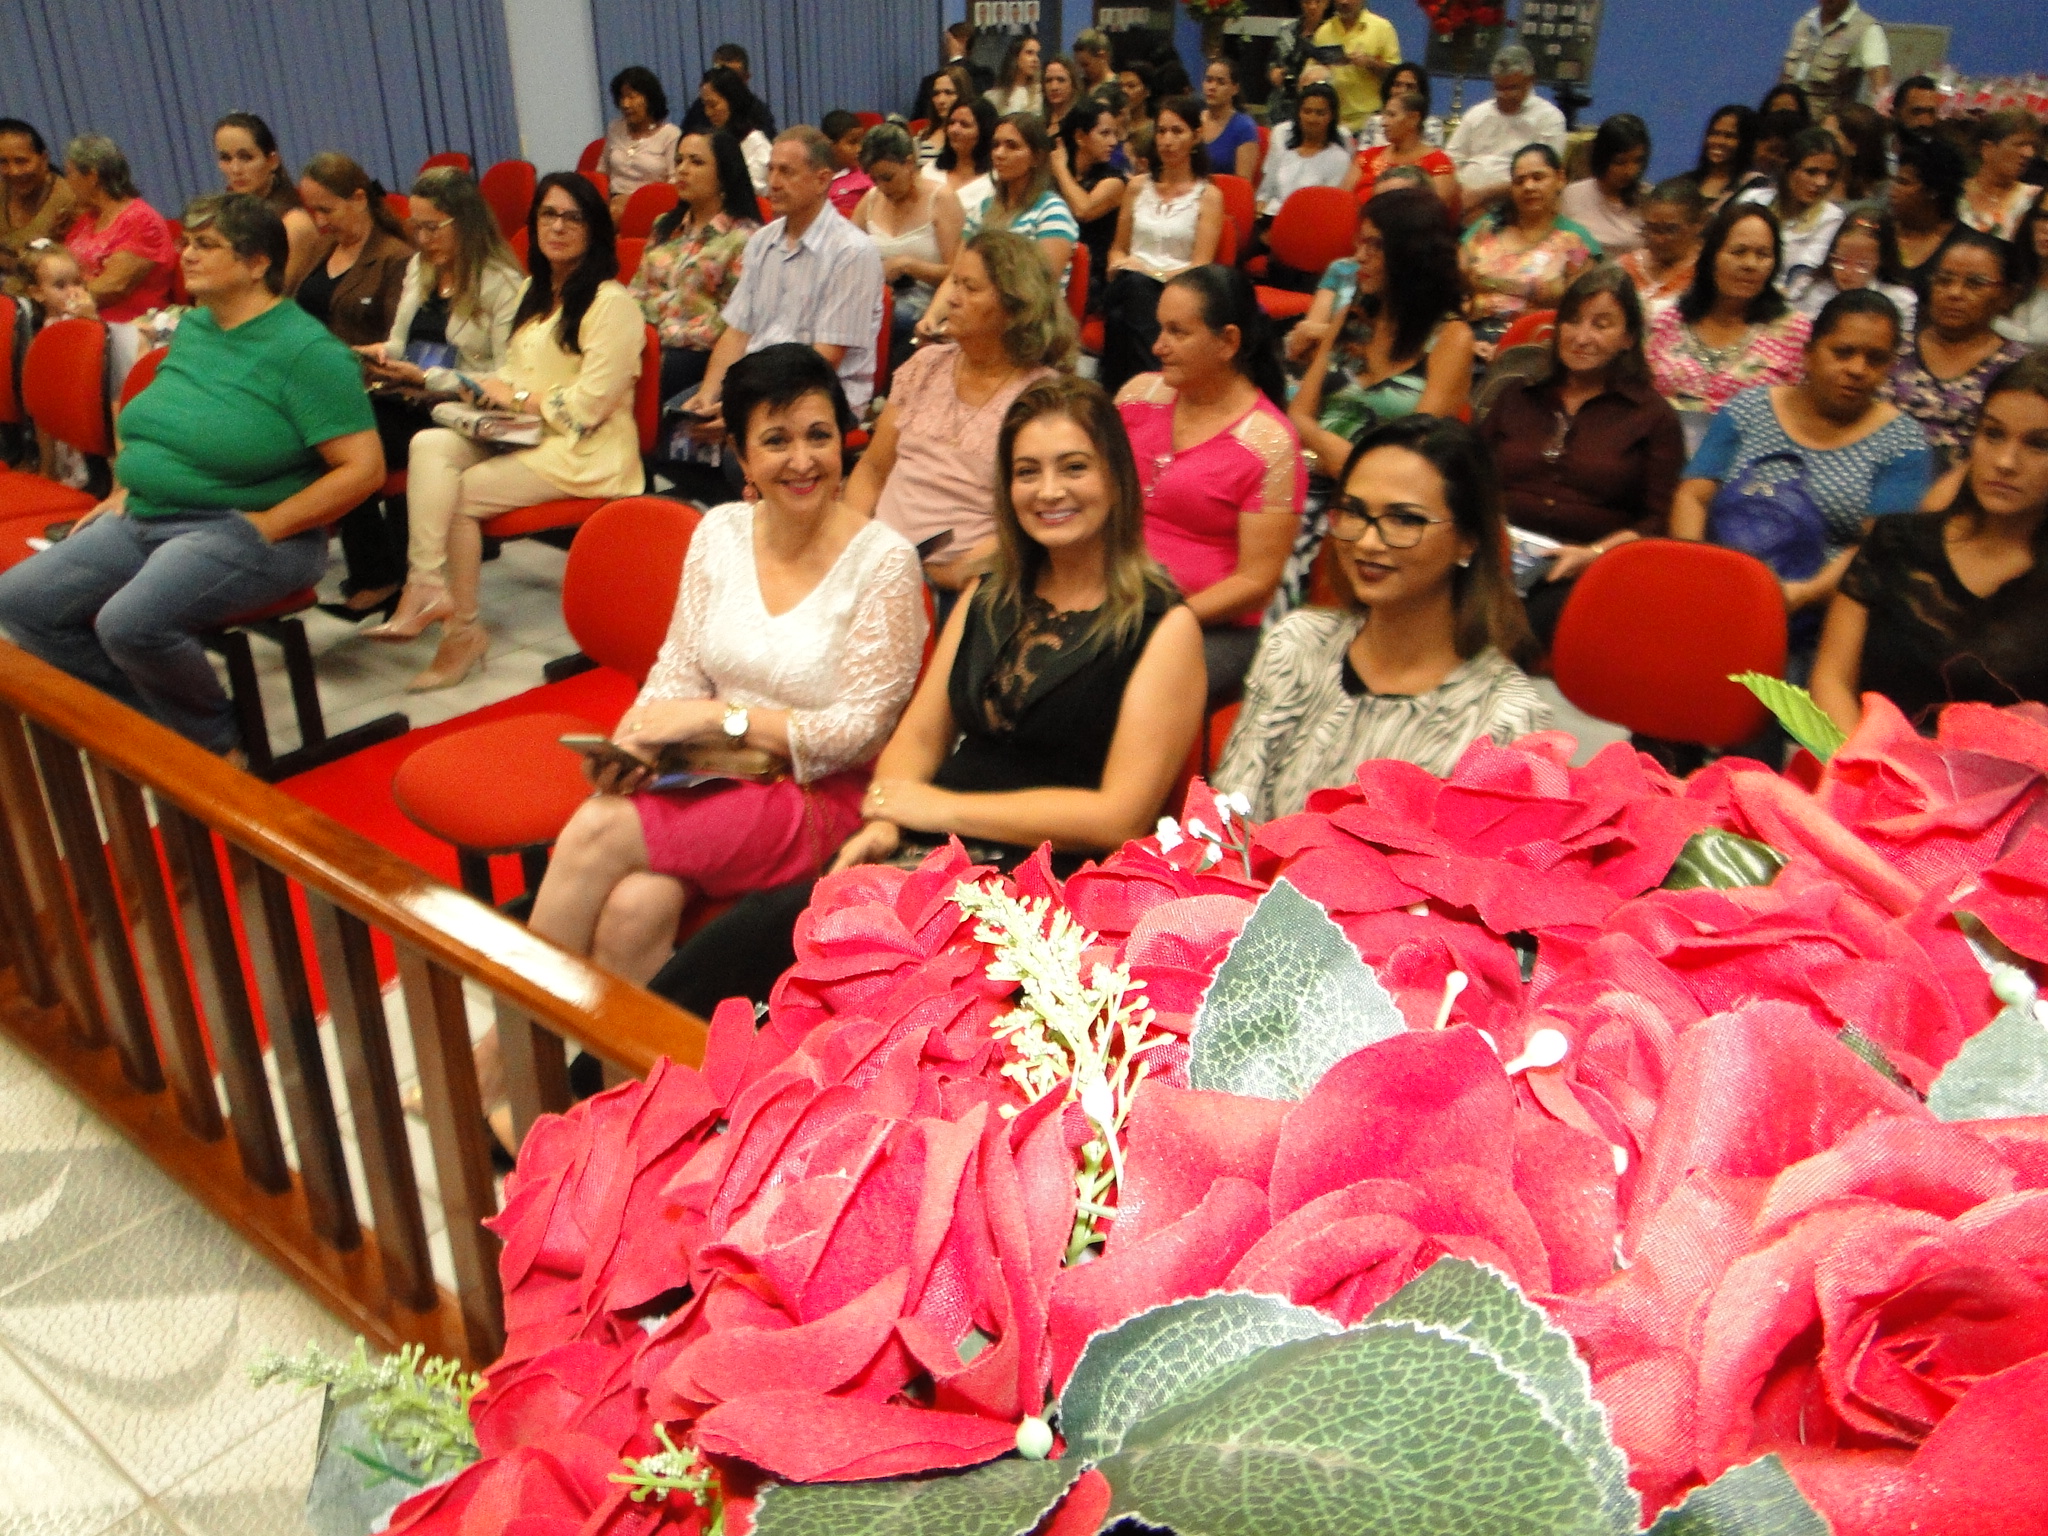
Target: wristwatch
<point x="736" y="721"/>
<point x="521" y="396"/>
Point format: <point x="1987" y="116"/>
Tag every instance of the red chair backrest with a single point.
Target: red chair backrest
<point x="399" y="204"/>
<point x="140" y="376"/>
<point x="1652" y="631"/>
<point x="1077" y="283"/>
<point x="1240" y="204"/>
<point x="764" y="208"/>
<point x="602" y="182"/>
<point x="64" y="385"/>
<point x="454" y="157"/>
<point x="1314" y="227"/>
<point x="518" y="241"/>
<point x="918" y="125"/>
<point x="180" y="294"/>
<point x="1533" y="328"/>
<point x="630" y="252"/>
<point x="10" y="403"/>
<point x="619" y="588"/>
<point x="587" y="161"/>
<point x="508" y="188"/>
<point x="870" y="119"/>
<point x="647" y="204"/>
<point x="647" y="390"/>
<point x="1226" y="244"/>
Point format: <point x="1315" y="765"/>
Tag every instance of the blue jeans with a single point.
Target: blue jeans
<point x="120" y="605"/>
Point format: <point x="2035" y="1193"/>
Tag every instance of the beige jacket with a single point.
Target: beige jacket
<point x="592" y="446"/>
<point x="479" y="335"/>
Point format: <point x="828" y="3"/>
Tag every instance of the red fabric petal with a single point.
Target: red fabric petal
<point x="1179" y="1141"/>
<point x="808" y="1438"/>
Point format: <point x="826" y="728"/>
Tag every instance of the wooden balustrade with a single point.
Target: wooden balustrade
<point x="128" y="945"/>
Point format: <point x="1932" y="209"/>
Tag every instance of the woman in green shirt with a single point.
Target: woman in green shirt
<point x="255" y="435"/>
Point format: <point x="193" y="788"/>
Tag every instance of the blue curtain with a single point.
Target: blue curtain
<point x="863" y="55"/>
<point x="387" y="81"/>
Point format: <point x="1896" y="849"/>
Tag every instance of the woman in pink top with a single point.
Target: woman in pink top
<point x="1219" y="460"/>
<point x="123" y="245"/>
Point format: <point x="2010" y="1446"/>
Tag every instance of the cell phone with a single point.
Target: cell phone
<point x="931" y="546"/>
<point x="602" y="749"/>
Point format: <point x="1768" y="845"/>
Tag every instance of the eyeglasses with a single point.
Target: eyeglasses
<point x="1852" y="268"/>
<point x="1966" y="281"/>
<point x="432" y="227"/>
<point x="1397" y="529"/>
<point x="568" y="218"/>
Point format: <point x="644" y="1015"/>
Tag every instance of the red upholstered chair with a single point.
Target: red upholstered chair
<point x="454" y="157"/>
<point x="10" y="397"/>
<point x="765" y="208"/>
<point x="646" y="205"/>
<point x="1077" y="283"/>
<point x="599" y="180"/>
<point x="1314" y="227"/>
<point x="1241" y="210"/>
<point x="587" y="161"/>
<point x="63" y="391"/>
<point x="1533" y="329"/>
<point x="16" y="531"/>
<point x="858" y="438"/>
<point x="508" y="188"/>
<point x="180" y="294"/>
<point x="630" y="250"/>
<point x="518" y="241"/>
<point x="870" y="119"/>
<point x="617" y="596"/>
<point x="918" y="125"/>
<point x="1652" y="631"/>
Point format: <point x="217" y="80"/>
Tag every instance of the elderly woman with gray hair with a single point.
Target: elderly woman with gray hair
<point x="123" y="245"/>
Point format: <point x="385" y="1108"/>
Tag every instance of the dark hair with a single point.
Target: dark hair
<point x="1847" y="306"/>
<point x="1395" y="177"/>
<point x="1147" y="77"/>
<point x="2023" y="247"/>
<point x="961" y="32"/>
<point x="1682" y="192"/>
<point x="1087" y="113"/>
<point x="1630" y="368"/>
<point x="250" y="225"/>
<point x="638" y="77"/>
<point x="1697" y="302"/>
<point x="1909" y="85"/>
<point x="1940" y="168"/>
<point x="777" y="377"/>
<point x="732" y="53"/>
<point x="1878" y="224"/>
<point x="984" y="139"/>
<point x="1807" y="143"/>
<point x="1410" y="67"/>
<point x="1227" y="298"/>
<point x="1615" y="137"/>
<point x="1785" y="126"/>
<point x="736" y="198"/>
<point x="744" y="113"/>
<point x="1864" y="130"/>
<point x="1786" y="88"/>
<point x="1485" y="608"/>
<point x="1504" y="212"/>
<point x="1230" y="67"/>
<point x="1323" y="91"/>
<point x="1423" y="280"/>
<point x="1189" y="111"/>
<point x="1013" y="60"/>
<point x="838" y="123"/>
<point x="600" y="259"/>
<point x="27" y="131"/>
<point x="963" y="88"/>
<point x="2028" y="376"/>
<point x="1745" y="143"/>
<point x="344" y="178"/>
<point x="999" y="210"/>
<point x="282" y="194"/>
<point x="1967" y="239"/>
<point x="2002" y="125"/>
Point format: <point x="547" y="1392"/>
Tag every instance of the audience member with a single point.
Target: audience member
<point x="1589" y="454"/>
<point x="1059" y="90"/>
<point x="808" y="276"/>
<point x="1827" y="444"/>
<point x="692" y="261"/>
<point x="254" y="436"/>
<point x="1732" y="329"/>
<point x="1726" y="165"/>
<point x="249" y="161"/>
<point x="1168" y="223"/>
<point x="1926" y="189"/>
<point x="1807" y="219"/>
<point x="356" y="272"/>
<point x="942" y="92"/>
<point x="1860" y="132"/>
<point x="733" y="57"/>
<point x="1838" y="52"/>
<point x="1916" y="107"/>
<point x="1950" y="606"/>
<point x="1406" y="78"/>
<point x="754" y="114"/>
<point x="963" y="165"/>
<point x="1940" y="379"/>
<point x="1995" y="199"/>
<point x="1775" y="132"/>
<point x="1017" y="87"/>
<point x="1135" y="80"/>
<point x="1418" y="665"/>
<point x="956" y="51"/>
<point x="1292" y="63"/>
<point x="1024" y="199"/>
<point x="1493" y="134"/>
<point x="1523" y="255"/>
<point x="123" y="245"/>
<point x="1402" y="144"/>
<point x="1169" y="74"/>
<point x="797" y="632"/>
<point x="929" y="473"/>
<point x="1305" y="150"/>
<point x="914" y="224"/>
<point x="1091" y="57"/>
<point x="52" y="288"/>
<point x="1786" y="97"/>
<point x="850" y="182"/>
<point x="727" y="104"/>
<point x="1864" y="254"/>
<point x="640" y="143"/>
<point x="454" y="319"/>
<point x="1608" y="205"/>
<point x="1228" y="135"/>
<point x="2027" y="321"/>
<point x="1662" y="268"/>
<point x="1084" y="169"/>
<point x="1219" y="461"/>
<point x="35" y="202"/>
<point x="570" y="368"/>
<point x="1369" y="49"/>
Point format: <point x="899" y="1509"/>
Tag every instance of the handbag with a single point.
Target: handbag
<point x="1769" y="513"/>
<point x="496" y="429"/>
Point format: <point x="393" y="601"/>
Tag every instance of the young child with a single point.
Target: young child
<point x="848" y="187"/>
<point x="53" y="288"/>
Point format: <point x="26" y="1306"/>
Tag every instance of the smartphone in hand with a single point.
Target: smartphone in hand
<point x="603" y="751"/>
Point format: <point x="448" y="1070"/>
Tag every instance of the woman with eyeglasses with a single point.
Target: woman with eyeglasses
<point x="1940" y="380"/>
<point x="1661" y="268"/>
<point x="1864" y="254"/>
<point x="570" y="369"/>
<point x="1419" y="664"/>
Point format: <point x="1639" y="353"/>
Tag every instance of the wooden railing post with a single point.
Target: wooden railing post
<point x="53" y="930"/>
<point x="536" y="1070"/>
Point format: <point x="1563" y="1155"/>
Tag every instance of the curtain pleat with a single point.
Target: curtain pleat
<point x="387" y="81"/>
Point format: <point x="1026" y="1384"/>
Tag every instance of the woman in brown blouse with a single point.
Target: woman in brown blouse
<point x="1590" y="454"/>
<point x="35" y="202"/>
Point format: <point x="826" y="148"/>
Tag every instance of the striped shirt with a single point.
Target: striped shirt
<point x="1308" y="722"/>
<point x="825" y="291"/>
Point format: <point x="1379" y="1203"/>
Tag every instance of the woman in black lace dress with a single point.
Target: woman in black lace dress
<point x="1944" y="607"/>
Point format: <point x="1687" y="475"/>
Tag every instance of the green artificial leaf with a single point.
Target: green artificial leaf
<point x="1389" y="1428"/>
<point x="1000" y="1498"/>
<point x="1804" y="721"/>
<point x="1290" y="1001"/>
<point x="1484" y="1306"/>
<point x="1757" y="1500"/>
<point x="1872" y="1056"/>
<point x="2000" y="1073"/>
<point x="1721" y="860"/>
<point x="1168" y="1355"/>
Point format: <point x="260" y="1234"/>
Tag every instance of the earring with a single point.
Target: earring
<point x="1464" y="562"/>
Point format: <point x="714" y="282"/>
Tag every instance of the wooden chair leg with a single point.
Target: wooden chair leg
<point x="247" y="696"/>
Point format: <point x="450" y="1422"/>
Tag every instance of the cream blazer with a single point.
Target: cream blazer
<point x="592" y="445"/>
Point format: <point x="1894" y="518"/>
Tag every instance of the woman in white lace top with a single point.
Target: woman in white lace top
<point x="798" y="631"/>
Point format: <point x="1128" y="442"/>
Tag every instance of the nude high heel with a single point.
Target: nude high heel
<point x="464" y="644"/>
<point x="421" y="604"/>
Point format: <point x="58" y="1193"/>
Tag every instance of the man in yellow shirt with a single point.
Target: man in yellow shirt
<point x="1370" y="50"/>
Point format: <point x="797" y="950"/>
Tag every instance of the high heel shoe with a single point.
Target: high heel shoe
<point x="464" y="644"/>
<point x="359" y="606"/>
<point x="418" y="607"/>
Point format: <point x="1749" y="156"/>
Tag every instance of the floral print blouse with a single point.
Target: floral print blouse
<point x="1946" y="409"/>
<point x="1696" y="377"/>
<point x="683" y="282"/>
<point x="1509" y="279"/>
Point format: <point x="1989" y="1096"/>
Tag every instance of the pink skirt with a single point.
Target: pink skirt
<point x="725" y="839"/>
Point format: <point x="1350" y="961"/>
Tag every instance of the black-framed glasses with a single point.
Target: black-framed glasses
<point x="569" y="218"/>
<point x="1398" y="529"/>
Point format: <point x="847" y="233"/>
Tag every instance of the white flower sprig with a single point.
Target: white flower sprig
<point x="1234" y="834"/>
<point x="1081" y="1036"/>
<point x="674" y="1469"/>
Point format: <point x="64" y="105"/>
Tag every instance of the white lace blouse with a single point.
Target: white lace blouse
<point x="843" y="661"/>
